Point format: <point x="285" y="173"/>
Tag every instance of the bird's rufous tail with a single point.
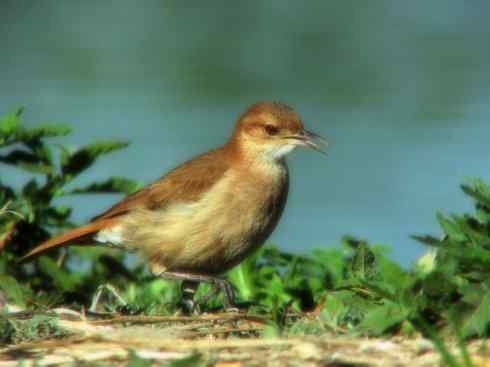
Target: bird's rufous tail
<point x="71" y="235"/>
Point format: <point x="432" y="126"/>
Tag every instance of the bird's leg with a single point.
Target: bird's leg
<point x="189" y="289"/>
<point x="219" y="284"/>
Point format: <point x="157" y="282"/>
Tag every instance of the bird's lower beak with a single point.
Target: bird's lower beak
<point x="311" y="140"/>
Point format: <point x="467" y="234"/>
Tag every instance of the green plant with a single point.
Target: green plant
<point x="30" y="214"/>
<point x="37" y="327"/>
<point x="460" y="279"/>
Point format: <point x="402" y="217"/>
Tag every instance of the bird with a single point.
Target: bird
<point x="208" y="214"/>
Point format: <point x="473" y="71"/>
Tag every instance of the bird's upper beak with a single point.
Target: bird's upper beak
<point x="310" y="139"/>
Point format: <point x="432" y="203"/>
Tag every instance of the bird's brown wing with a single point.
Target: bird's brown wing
<point x="183" y="184"/>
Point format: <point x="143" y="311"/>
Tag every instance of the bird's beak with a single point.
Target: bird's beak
<point x="310" y="139"/>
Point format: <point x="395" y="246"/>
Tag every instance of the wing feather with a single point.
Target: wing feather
<point x="184" y="183"/>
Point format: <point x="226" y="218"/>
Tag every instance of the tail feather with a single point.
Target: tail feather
<point x="71" y="235"/>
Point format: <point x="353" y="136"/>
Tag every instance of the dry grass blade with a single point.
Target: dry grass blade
<point x="158" y="319"/>
<point x="5" y="210"/>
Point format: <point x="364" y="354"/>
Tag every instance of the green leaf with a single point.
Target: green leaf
<point x="479" y="322"/>
<point x="36" y="167"/>
<point x="56" y="216"/>
<point x="450" y="228"/>
<point x="194" y="360"/>
<point x="14" y="291"/>
<point x="363" y="260"/>
<point x="478" y="190"/>
<point x="65" y="154"/>
<point x="42" y="151"/>
<point x="381" y="289"/>
<point x="9" y="123"/>
<point x="427" y="240"/>
<point x="474" y="231"/>
<point x="62" y="279"/>
<point x="394" y="277"/>
<point x="333" y="310"/>
<point x="86" y="156"/>
<point x="242" y="279"/>
<point x="470" y="256"/>
<point x="330" y="263"/>
<point x="136" y="361"/>
<point x="27" y="161"/>
<point x="111" y="185"/>
<point x="482" y="214"/>
<point x="383" y="318"/>
<point x="30" y="189"/>
<point x="42" y="131"/>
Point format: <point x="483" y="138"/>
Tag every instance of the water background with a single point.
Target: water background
<point x="401" y="90"/>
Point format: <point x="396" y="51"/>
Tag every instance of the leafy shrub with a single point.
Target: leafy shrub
<point x="460" y="278"/>
<point x="29" y="215"/>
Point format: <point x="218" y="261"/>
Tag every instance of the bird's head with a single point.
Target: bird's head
<point x="272" y="130"/>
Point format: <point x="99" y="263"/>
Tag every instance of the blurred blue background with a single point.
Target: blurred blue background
<point x="401" y="90"/>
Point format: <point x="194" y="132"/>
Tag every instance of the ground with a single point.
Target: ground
<point x="220" y="339"/>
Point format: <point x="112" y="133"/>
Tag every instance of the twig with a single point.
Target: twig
<point x="206" y="344"/>
<point x="156" y="319"/>
<point x="227" y="330"/>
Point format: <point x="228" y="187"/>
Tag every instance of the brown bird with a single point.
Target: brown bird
<point x="208" y="214"/>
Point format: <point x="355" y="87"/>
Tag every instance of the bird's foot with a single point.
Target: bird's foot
<point x="193" y="280"/>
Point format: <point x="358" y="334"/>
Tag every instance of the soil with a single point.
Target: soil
<point x="216" y="340"/>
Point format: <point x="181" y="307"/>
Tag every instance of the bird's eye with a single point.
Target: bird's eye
<point x="271" y="129"/>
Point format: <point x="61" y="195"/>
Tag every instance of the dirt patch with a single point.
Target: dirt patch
<point x="216" y="340"/>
